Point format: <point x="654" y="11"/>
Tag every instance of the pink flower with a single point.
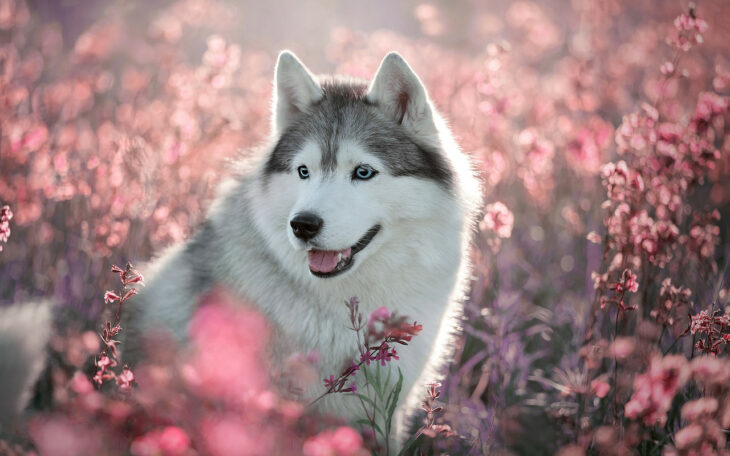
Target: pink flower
<point x="125" y="379"/>
<point x="694" y="410"/>
<point x="600" y="387"/>
<point x="60" y="436"/>
<point x="688" y="31"/>
<point x="80" y="383"/>
<point x="5" y="216"/>
<point x="352" y="387"/>
<point x="110" y="297"/>
<point x="329" y="382"/>
<point x="230" y="340"/>
<point x="701" y="322"/>
<point x="688" y="436"/>
<point x="498" y="219"/>
<point x="628" y="282"/>
<point x="379" y="314"/>
<point x="622" y="347"/>
<point x="594" y="237"/>
<point x="233" y="434"/>
<point x="655" y="389"/>
<point x="344" y="441"/>
<point x="709" y="371"/>
<point x="104" y="362"/>
<point x="170" y="441"/>
<point x="667" y="68"/>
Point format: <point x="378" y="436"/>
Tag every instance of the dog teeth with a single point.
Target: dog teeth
<point x="339" y="257"/>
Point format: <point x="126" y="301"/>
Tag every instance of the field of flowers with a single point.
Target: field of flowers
<point x="599" y="314"/>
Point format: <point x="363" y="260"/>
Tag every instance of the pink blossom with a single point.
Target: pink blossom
<point x="703" y="407"/>
<point x="60" y="436"/>
<point x="600" y="388"/>
<point x="688" y="436"/>
<point x="628" y="282"/>
<point x="344" y="441"/>
<point x="622" y="347"/>
<point x="80" y="383"/>
<point x="169" y="441"/>
<point x="381" y="313"/>
<point x="5" y="216"/>
<point x="655" y="389"/>
<point x="230" y="339"/>
<point x="125" y="379"/>
<point x="710" y="371"/>
<point x="233" y="435"/>
<point x="594" y="237"/>
<point x="688" y="31"/>
<point x="497" y="219"/>
<point x="110" y="297"/>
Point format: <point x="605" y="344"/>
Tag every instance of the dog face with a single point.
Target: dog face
<point x="355" y="168"/>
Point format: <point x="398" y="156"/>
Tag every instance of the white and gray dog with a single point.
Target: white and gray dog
<point x="362" y="191"/>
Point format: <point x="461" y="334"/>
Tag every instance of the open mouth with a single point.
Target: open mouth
<point x="329" y="263"/>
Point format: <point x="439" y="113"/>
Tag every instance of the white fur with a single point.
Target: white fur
<point x="417" y="265"/>
<point x="295" y="90"/>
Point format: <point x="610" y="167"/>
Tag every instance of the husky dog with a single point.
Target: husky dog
<point x="362" y="191"/>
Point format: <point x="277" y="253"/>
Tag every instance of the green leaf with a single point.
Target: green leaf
<point x="387" y="379"/>
<point x="386" y="406"/>
<point x="395" y="393"/>
<point x="364" y="370"/>
<point x="363" y="421"/>
<point x="409" y="443"/>
<point x="366" y="422"/>
<point x="378" y="386"/>
<point x="371" y="402"/>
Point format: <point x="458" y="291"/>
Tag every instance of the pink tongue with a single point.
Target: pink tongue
<point x="325" y="260"/>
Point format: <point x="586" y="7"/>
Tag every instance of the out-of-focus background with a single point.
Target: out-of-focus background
<point x="118" y="119"/>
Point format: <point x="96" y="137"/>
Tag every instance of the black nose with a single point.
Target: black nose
<point x="306" y="225"/>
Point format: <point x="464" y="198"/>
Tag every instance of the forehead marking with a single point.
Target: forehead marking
<point x="344" y="115"/>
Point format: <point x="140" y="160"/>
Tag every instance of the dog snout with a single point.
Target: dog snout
<point x="306" y="225"/>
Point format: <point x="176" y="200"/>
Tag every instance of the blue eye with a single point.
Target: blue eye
<point x="303" y="172"/>
<point x="364" y="172"/>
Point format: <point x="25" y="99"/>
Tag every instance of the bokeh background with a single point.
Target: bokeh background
<point x="118" y="119"/>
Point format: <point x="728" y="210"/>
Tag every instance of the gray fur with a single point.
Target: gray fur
<point x="24" y="333"/>
<point x="344" y="112"/>
<point x="199" y="255"/>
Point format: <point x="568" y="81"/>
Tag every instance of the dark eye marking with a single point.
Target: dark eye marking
<point x="363" y="172"/>
<point x="303" y="172"/>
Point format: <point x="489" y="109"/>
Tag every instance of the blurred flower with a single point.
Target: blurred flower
<point x="221" y="328"/>
<point x="343" y="441"/>
<point x="693" y="410"/>
<point x="169" y="441"/>
<point x="655" y="389"/>
<point x="497" y="219"/>
<point x="688" y="30"/>
<point x="65" y="437"/>
<point x="430" y="18"/>
<point x="5" y="216"/>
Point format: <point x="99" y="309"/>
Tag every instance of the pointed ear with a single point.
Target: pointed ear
<point x="398" y="92"/>
<point x="295" y="89"/>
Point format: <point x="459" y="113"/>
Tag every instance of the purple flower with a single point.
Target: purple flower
<point x="330" y="382"/>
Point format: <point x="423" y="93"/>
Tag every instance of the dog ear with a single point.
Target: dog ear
<point x="295" y="89"/>
<point x="398" y="92"/>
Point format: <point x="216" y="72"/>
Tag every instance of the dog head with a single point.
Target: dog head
<point x="356" y="170"/>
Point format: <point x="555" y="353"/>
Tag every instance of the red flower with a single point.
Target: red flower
<point x="110" y="297"/>
<point x="330" y="382"/>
